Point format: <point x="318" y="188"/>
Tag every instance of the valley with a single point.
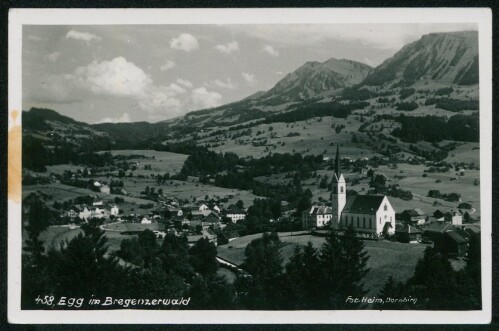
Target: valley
<point x="407" y="130"/>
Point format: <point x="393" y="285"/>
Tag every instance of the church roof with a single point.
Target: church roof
<point x="364" y="204"/>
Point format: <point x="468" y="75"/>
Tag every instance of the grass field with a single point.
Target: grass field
<point x="316" y="136"/>
<point x="386" y="258"/>
<point x="160" y="162"/>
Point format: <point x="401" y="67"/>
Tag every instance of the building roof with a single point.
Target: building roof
<point x="235" y="211"/>
<point x="439" y="227"/>
<point x="456" y="237"/>
<point x="470" y="228"/>
<point x="363" y="204"/>
<point x="320" y="210"/>
<point x="453" y="213"/>
<point x="409" y="229"/>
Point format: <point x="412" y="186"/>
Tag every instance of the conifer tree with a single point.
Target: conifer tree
<point x="343" y="265"/>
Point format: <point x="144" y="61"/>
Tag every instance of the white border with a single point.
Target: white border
<point x="481" y="16"/>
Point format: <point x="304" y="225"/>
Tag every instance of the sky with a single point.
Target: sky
<point x="129" y="73"/>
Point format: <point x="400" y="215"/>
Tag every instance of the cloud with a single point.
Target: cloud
<point x="125" y="118"/>
<point x="202" y="98"/>
<point x="52" y="57"/>
<point x="32" y="37"/>
<point x="167" y="65"/>
<point x="228" y="48"/>
<point x="175" y="89"/>
<point x="161" y="103"/>
<point x="270" y="50"/>
<point x="228" y="84"/>
<point x="185" y="42"/>
<point x="249" y="78"/>
<point x="184" y="82"/>
<point x="120" y="78"/>
<point x="85" y="36"/>
<point x="117" y="77"/>
<point x="279" y="73"/>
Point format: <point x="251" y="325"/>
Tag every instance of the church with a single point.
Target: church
<point x="367" y="213"/>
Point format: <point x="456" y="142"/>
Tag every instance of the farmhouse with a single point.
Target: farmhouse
<point x="454" y="217"/>
<point x="413" y="216"/>
<point x="409" y="234"/>
<point x="452" y="243"/>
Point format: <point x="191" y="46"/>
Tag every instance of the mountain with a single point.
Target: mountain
<point x="443" y="58"/>
<point x="313" y="79"/>
<point x="55" y="130"/>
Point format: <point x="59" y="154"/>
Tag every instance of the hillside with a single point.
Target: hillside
<point x="444" y="58"/>
<point x="313" y="79"/>
<point x="432" y="82"/>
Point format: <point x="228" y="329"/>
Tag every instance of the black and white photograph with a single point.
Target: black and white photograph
<point x="293" y="166"/>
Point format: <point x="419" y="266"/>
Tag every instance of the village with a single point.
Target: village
<point x="216" y="217"/>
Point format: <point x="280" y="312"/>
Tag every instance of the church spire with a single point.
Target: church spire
<point x="337" y="162"/>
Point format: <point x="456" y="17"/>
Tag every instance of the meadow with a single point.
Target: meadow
<point x="386" y="258"/>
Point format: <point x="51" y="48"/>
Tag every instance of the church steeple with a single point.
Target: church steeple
<point x="339" y="192"/>
<point x="337" y="162"/>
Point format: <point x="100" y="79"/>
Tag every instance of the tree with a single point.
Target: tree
<point x="264" y="263"/>
<point x="343" y="264"/>
<point x="203" y="257"/>
<point x="147" y="240"/>
<point x="301" y="274"/>
<point x="35" y="274"/>
<point x="81" y="267"/>
<point x="439" y="287"/>
<point x="240" y="204"/>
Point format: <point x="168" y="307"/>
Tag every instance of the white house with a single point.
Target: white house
<point x="454" y="217"/>
<point x="145" y="220"/>
<point x="114" y="210"/>
<point x="317" y="217"/>
<point x="105" y="189"/>
<point x="235" y="215"/>
<point x="203" y="207"/>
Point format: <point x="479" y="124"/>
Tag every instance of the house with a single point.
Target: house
<point x="316" y="217"/>
<point x="436" y="230"/>
<point x="413" y="216"/>
<point x="468" y="230"/>
<point x="453" y="244"/>
<point x="372" y="214"/>
<point x="408" y="234"/>
<point x="203" y="207"/>
<point x="207" y="233"/>
<point x="212" y="219"/>
<point x="85" y="213"/>
<point x="114" y="210"/>
<point x="105" y="189"/>
<point x="200" y="214"/>
<point x="438" y="215"/>
<point x="235" y="214"/>
<point x="145" y="220"/>
<point x="454" y="217"/>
